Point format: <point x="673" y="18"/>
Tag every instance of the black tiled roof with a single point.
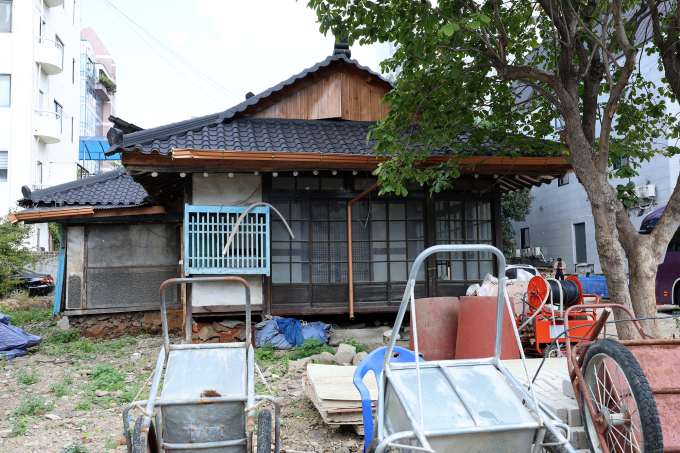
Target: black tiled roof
<point x="114" y="189"/>
<point x="162" y="133"/>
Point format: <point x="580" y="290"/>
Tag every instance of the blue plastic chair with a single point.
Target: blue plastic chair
<point x="374" y="361"/>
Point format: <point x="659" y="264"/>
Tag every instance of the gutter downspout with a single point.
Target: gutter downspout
<point x="350" y="263"/>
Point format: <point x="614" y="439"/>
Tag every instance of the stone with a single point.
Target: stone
<point x="326" y="358"/>
<point x="351" y="443"/>
<point x="342" y="450"/>
<point x="241" y="335"/>
<point x="294" y="385"/>
<point x="219" y="327"/>
<point x="356" y="360"/>
<point x="65" y="398"/>
<point x="101" y="393"/>
<point x="345" y="354"/>
<point x="377" y="323"/>
<point x="149" y="365"/>
<point x="118" y="393"/>
<point x="567" y="388"/>
<point x="84" y="372"/>
<point x="52" y="417"/>
<point x="232" y="323"/>
<point x="208" y="333"/>
<point x="281" y="353"/>
<point x="296" y="394"/>
<point x="299" y="364"/>
<point x="5" y="433"/>
<point x="63" y="323"/>
<point x="74" y="375"/>
<point x="346" y="364"/>
<point x="129" y="380"/>
<point x="267" y="374"/>
<point x="275" y="376"/>
<point x="315" y="357"/>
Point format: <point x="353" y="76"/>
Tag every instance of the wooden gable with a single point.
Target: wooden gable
<point x="342" y="94"/>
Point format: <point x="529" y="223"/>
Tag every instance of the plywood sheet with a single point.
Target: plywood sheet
<point x="332" y="382"/>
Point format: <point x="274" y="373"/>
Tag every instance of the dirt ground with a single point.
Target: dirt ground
<point x="72" y="390"/>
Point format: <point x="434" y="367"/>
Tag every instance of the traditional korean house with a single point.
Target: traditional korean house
<point x="301" y="147"/>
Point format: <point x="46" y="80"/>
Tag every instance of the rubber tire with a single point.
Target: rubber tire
<point x="649" y="415"/>
<point x="551" y="347"/>
<point x="549" y="438"/>
<point x="264" y="432"/>
<point x="139" y="440"/>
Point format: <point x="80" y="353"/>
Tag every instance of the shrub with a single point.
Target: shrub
<point x="33" y="405"/>
<point x="310" y="347"/>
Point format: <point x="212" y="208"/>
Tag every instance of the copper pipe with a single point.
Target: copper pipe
<point x="350" y="263"/>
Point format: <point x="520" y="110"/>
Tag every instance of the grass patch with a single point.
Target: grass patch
<point x="20" y="426"/>
<point x="61" y="388"/>
<point x="360" y="347"/>
<point x="310" y="347"/>
<point x="70" y="342"/>
<point x="26" y="378"/>
<point x="33" y="405"/>
<point x="75" y="447"/>
<point x="107" y="377"/>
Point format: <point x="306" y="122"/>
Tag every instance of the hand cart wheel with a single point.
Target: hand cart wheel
<point x="554" y="350"/>
<point x="264" y="432"/>
<point x="144" y="442"/>
<point x="627" y="415"/>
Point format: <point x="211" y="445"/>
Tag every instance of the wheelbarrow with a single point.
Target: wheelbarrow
<point x="471" y="405"/>
<point x="208" y="399"/>
<point x="627" y="390"/>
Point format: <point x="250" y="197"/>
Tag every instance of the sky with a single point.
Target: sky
<point x="242" y="45"/>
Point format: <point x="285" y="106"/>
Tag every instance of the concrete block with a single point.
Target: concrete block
<point x="579" y="440"/>
<point x="555" y="407"/>
<point x="568" y="389"/>
<point x="366" y="336"/>
<point x="573" y="414"/>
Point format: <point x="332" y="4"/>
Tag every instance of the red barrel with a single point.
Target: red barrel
<point x="477" y="329"/>
<point x="437" y="327"/>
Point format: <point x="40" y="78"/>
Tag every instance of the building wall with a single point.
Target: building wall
<point x="17" y="58"/>
<point x="103" y="59"/>
<point x="220" y="190"/>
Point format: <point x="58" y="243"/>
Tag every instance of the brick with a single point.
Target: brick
<point x="579" y="438"/>
<point x="556" y="407"/>
<point x="568" y="389"/>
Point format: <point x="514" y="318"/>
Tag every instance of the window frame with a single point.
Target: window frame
<point x="60" y="112"/>
<point x="11" y="13"/>
<point x="9" y="97"/>
<point x="6" y="169"/>
<point x="563" y="181"/>
<point x="524" y="243"/>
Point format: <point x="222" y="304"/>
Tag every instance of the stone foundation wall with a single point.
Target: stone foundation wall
<point x="115" y="324"/>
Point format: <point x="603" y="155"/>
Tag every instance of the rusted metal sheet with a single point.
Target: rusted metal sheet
<point x="476" y="330"/>
<point x="437" y="327"/>
<point x="660" y="363"/>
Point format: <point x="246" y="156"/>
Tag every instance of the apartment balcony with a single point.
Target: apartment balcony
<point x="53" y="3"/>
<point x="48" y="126"/>
<point x="49" y="54"/>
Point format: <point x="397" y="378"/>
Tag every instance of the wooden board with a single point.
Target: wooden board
<point x="332" y="382"/>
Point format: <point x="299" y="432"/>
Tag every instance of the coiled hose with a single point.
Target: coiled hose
<point x="570" y="292"/>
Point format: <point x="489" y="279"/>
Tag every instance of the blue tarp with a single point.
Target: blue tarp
<point x="292" y="330"/>
<point x="596" y="285"/>
<point x="284" y="333"/>
<point x="14" y="342"/>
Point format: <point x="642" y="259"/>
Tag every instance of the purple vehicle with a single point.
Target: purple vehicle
<point x="668" y="273"/>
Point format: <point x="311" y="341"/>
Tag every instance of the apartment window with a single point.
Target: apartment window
<point x="41" y="102"/>
<point x="3" y="166"/>
<point x="621" y="162"/>
<point x="563" y="182"/>
<point x="524" y="238"/>
<point x="38" y="174"/>
<point x="61" y="44"/>
<point x="58" y="109"/>
<point x="5" y="16"/>
<point x="41" y="27"/>
<point x="5" y="89"/>
<point x="73" y="72"/>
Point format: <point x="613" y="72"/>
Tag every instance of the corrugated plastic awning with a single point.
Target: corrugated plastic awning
<point x="93" y="148"/>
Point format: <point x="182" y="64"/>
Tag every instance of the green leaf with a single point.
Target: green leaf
<point x="449" y="29"/>
<point x="474" y="25"/>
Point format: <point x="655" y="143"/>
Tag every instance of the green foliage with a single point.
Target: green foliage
<point x="515" y="207"/>
<point x="109" y="84"/>
<point x="55" y="232"/>
<point x="76" y="447"/>
<point x="310" y="347"/>
<point x="265" y="353"/>
<point x="106" y="377"/>
<point x="20" y="317"/>
<point x="33" y="405"/>
<point x="14" y="255"/>
<point x="359" y="346"/>
<point x="27" y="378"/>
<point x="20" y="426"/>
<point x="71" y="343"/>
<point x="61" y="388"/>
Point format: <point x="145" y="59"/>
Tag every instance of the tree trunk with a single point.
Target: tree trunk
<point x="642" y="267"/>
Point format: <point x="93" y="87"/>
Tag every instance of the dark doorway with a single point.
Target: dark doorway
<point x="580" y="240"/>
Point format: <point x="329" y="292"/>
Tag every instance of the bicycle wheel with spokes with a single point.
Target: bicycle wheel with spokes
<point x="626" y="412"/>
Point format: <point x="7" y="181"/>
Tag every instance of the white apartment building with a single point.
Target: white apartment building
<point x="39" y="98"/>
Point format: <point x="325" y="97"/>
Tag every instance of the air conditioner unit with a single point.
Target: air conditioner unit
<point x="535" y="251"/>
<point x="518" y="253"/>
<point x="648" y="191"/>
<point x="526" y="252"/>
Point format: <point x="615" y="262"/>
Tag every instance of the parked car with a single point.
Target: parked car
<point x="36" y="284"/>
<point x="513" y="272"/>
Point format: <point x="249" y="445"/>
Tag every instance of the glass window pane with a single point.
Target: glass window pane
<point x="397" y="271"/>
<point x="397" y="230"/>
<point x="485" y="231"/>
<point x="379" y="272"/>
<point x="338" y="251"/>
<point x="456" y="210"/>
<point x="378" y="210"/>
<point x="442" y="271"/>
<point x="415" y="229"/>
<point x="421" y="271"/>
<point x="362" y="272"/>
<point x="307" y="183"/>
<point x="299" y="210"/>
<point x="300" y="230"/>
<point x="397" y="251"/>
<point x="339" y="272"/>
<point x="456" y="230"/>
<point x="280" y="252"/>
<point x="279" y="231"/>
<point x="360" y="210"/>
<point x="3" y="175"/>
<point x="319" y="231"/>
<point x="360" y="251"/>
<point x="441" y="211"/>
<point x="283" y="207"/>
<point x="378" y="231"/>
<point x="441" y="230"/>
<point x="299" y="273"/>
<point x="359" y="231"/>
<point x="470" y="210"/>
<point x="414" y="249"/>
<point x="5" y="86"/>
<point x="5" y="17"/>
<point x="457" y="271"/>
<point x="338" y="231"/>
<point x="485" y="267"/>
<point x="319" y="272"/>
<point x="319" y="252"/>
<point x="319" y="210"/>
<point x="332" y="184"/>
<point x="337" y="210"/>
<point x="472" y="270"/>
<point x="379" y="251"/>
<point x="470" y="230"/>
<point x="282" y="183"/>
<point x="414" y="210"/>
<point x="486" y="255"/>
<point x="299" y="251"/>
<point x="362" y="184"/>
<point x="397" y="210"/>
<point x="471" y="255"/>
<point x="280" y="273"/>
<point x="484" y="210"/>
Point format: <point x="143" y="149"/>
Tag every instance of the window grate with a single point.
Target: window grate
<point x="206" y="231"/>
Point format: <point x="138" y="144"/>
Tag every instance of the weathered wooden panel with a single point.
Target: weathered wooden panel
<point x="330" y="293"/>
<point x="297" y="296"/>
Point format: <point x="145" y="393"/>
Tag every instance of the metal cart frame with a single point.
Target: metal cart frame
<point x="410" y="438"/>
<point x="248" y="399"/>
